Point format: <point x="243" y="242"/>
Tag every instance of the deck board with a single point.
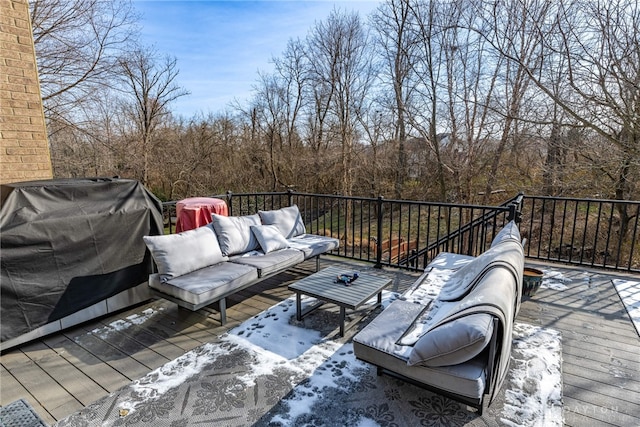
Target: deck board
<point x="57" y="401"/>
<point x="601" y="362"/>
<point x="141" y="338"/>
<point x="73" y="380"/>
<point x="107" y="353"/>
<point x="102" y="373"/>
<point x="146" y="356"/>
<point x="12" y="390"/>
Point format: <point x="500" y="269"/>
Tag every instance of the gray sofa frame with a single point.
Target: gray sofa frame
<point x="222" y="299"/>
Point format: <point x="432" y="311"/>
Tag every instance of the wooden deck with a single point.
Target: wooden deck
<point x="62" y="373"/>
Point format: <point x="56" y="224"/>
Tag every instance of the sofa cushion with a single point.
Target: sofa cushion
<point x="234" y="233"/>
<point x="508" y="253"/>
<point x="509" y="232"/>
<point x="453" y="342"/>
<point x="207" y="284"/>
<point x="269" y="238"/>
<point x="313" y="245"/>
<point x="288" y="220"/>
<point x="419" y="325"/>
<point x="377" y="344"/>
<point x="272" y="262"/>
<point x="182" y="253"/>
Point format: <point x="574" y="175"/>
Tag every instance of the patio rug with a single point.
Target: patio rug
<point x="20" y="414"/>
<point x="275" y="371"/>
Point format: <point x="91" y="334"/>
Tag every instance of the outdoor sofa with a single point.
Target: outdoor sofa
<point x="456" y="342"/>
<point x="198" y="267"/>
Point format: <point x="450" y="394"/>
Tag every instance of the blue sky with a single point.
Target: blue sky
<point x="221" y="45"/>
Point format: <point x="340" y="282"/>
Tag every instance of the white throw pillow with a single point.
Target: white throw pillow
<point x="182" y="253"/>
<point x="269" y="238"/>
<point x="288" y="220"/>
<point x="234" y="233"/>
<point x="454" y="342"/>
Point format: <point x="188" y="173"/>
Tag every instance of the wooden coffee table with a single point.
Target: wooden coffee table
<point x="321" y="285"/>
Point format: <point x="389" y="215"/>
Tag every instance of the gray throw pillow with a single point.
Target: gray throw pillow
<point x="269" y="238"/>
<point x="453" y="342"/>
<point x="234" y="233"/>
<point x="288" y="220"/>
<point x="182" y="253"/>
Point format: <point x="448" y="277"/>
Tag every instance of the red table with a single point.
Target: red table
<point x="195" y="212"/>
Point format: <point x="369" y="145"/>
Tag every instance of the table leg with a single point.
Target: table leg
<point x="342" y="316"/>
<point x="380" y="298"/>
<point x="298" y="307"/>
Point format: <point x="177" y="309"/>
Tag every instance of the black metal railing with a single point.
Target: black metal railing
<point x="399" y="233"/>
<point x="591" y="232"/>
<point x="409" y="234"/>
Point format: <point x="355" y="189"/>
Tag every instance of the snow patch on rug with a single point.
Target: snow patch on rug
<point x="629" y="292"/>
<point x="534" y="392"/>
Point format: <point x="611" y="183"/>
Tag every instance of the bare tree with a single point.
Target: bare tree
<point x="397" y="46"/>
<point x="276" y="110"/>
<point x="595" y="46"/>
<point x="338" y="49"/>
<point x="150" y="83"/>
<point x="269" y="108"/>
<point x="512" y="24"/>
<point x="429" y="68"/>
<point x="291" y="71"/>
<point x="77" y="46"/>
<point x="597" y="50"/>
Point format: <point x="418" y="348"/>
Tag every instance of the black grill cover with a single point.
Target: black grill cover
<point x="70" y="243"/>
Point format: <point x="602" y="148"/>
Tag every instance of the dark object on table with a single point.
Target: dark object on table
<point x="346" y="279"/>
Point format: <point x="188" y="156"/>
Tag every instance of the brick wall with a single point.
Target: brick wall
<point x="24" y="154"/>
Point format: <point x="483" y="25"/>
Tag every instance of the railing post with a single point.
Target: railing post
<point x="379" y="213"/>
<point x="515" y="209"/>
<point x="512" y="212"/>
<point x="290" y="196"/>
<point x="229" y="195"/>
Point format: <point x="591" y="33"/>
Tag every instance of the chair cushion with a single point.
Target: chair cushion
<point x="507" y="253"/>
<point x="454" y="342"/>
<point x="234" y="233"/>
<point x="313" y="245"/>
<point x="376" y="343"/>
<point x="270" y="263"/>
<point x="207" y="284"/>
<point x="269" y="238"/>
<point x="288" y="220"/>
<point x="182" y="253"/>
